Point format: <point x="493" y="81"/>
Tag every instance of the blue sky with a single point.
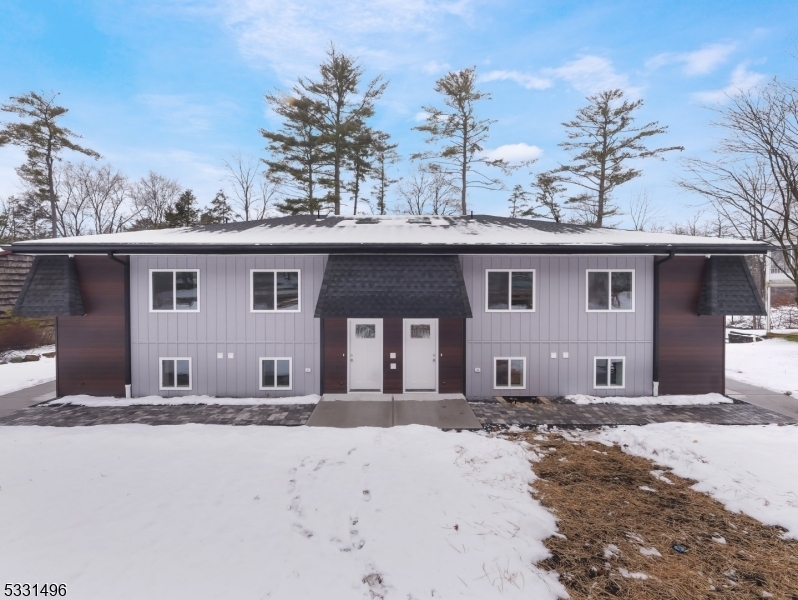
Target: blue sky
<point x="176" y="86"/>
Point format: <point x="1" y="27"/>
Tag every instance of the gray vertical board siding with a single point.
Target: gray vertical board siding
<point x="559" y="324"/>
<point x="225" y="324"/>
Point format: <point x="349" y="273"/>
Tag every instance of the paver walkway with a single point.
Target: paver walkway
<point x="75" y="416"/>
<point x="572" y="415"/>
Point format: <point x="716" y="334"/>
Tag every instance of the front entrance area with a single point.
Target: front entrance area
<point x="365" y="355"/>
<point x="420" y="338"/>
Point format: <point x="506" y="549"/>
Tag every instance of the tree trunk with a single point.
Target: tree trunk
<point x="464" y="170"/>
<point x="51" y="193"/>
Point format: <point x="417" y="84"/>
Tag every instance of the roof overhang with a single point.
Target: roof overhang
<point x="738" y="249"/>
<point x="729" y="288"/>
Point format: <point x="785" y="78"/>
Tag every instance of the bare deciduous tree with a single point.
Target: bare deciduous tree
<point x="152" y="197"/>
<point x="252" y="190"/>
<point x="753" y="185"/>
<point x="645" y="216"/>
<point x="429" y="190"/>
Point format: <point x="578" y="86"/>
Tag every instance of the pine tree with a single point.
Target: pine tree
<point x="547" y="197"/>
<point x="219" y="211"/>
<point x="184" y="213"/>
<point x="345" y="110"/>
<point x="519" y="201"/>
<point x="604" y="139"/>
<point x="297" y="153"/>
<point x="42" y="139"/>
<point x="385" y="155"/>
<point x="461" y="133"/>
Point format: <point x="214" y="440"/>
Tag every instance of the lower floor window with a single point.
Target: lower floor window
<point x="175" y="373"/>
<point x="609" y="372"/>
<point x="509" y="372"/>
<point x="275" y="373"/>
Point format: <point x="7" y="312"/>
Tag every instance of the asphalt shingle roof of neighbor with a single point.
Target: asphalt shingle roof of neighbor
<point x="50" y="290"/>
<point x="308" y="232"/>
<point x="393" y="286"/>
<point x="729" y="288"/>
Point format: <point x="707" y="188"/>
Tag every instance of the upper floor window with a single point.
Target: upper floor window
<point x="174" y="290"/>
<point x="510" y="290"/>
<point x="275" y="290"/>
<point x="610" y="290"/>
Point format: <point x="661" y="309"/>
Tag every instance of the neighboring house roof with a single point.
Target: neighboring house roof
<point x="13" y="270"/>
<point x="393" y="286"/>
<point x="51" y="289"/>
<point x="729" y="288"/>
<point x="404" y="234"/>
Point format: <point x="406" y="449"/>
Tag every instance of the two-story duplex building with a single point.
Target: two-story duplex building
<point x="477" y="305"/>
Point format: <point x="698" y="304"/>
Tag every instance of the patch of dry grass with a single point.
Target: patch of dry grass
<point x="619" y="524"/>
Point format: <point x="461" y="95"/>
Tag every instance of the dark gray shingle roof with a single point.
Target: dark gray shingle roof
<point x="393" y="286"/>
<point x="729" y="289"/>
<point x="51" y="289"/>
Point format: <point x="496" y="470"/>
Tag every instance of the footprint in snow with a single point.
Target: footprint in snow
<point x="366" y="495"/>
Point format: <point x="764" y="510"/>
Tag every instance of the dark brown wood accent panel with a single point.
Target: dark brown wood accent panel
<point x="691" y="348"/>
<point x="393" y="341"/>
<point x="334" y="356"/>
<point x="451" y="363"/>
<point x="90" y="349"/>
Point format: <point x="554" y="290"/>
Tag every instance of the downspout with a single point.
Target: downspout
<point x="128" y="370"/>
<point x="657" y="263"/>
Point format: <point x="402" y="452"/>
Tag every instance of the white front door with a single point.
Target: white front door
<point x="365" y="355"/>
<point x="421" y="355"/>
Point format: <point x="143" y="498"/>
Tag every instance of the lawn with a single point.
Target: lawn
<point x="772" y="364"/>
<point x="199" y="511"/>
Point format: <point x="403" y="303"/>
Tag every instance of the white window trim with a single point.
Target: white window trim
<point x="275" y="309"/>
<point x="175" y="389"/>
<point x="509" y="387"/>
<point x="510" y="291"/>
<point x="608" y="386"/>
<point x="290" y="372"/>
<point x="609" y="308"/>
<point x="174" y="292"/>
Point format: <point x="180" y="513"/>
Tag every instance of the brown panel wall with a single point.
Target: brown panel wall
<point x="451" y="363"/>
<point x="333" y="356"/>
<point x="691" y="348"/>
<point x="393" y="341"/>
<point x="90" y="349"/>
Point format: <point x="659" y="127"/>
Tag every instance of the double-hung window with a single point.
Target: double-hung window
<point x="175" y="374"/>
<point x="509" y="372"/>
<point x="274" y="290"/>
<point x="174" y="290"/>
<point x="275" y="373"/>
<point x="510" y="290"/>
<point x="609" y="372"/>
<point x="610" y="290"/>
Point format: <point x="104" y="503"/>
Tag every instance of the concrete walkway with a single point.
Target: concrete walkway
<point x="453" y="413"/>
<point x="780" y="403"/>
<point x="10" y="403"/>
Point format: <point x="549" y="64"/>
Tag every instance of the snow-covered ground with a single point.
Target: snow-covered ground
<point x="17" y="376"/>
<point x="750" y="469"/>
<point x="772" y="364"/>
<point x="160" y="400"/>
<point x="674" y="400"/>
<point x="203" y="511"/>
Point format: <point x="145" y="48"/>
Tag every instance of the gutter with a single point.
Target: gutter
<point x="657" y="263"/>
<point x="128" y="368"/>
<point x="457" y="249"/>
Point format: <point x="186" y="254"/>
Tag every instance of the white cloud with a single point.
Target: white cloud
<point x="530" y="82"/>
<point x="290" y="37"/>
<point x="514" y="153"/>
<point x="698" y="62"/>
<point x="741" y="80"/>
<point x="421" y="116"/>
<point x="434" y="67"/>
<point x="588" y="74"/>
<point x="591" y="74"/>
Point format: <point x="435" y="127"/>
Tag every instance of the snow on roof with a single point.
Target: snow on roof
<point x="410" y="230"/>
